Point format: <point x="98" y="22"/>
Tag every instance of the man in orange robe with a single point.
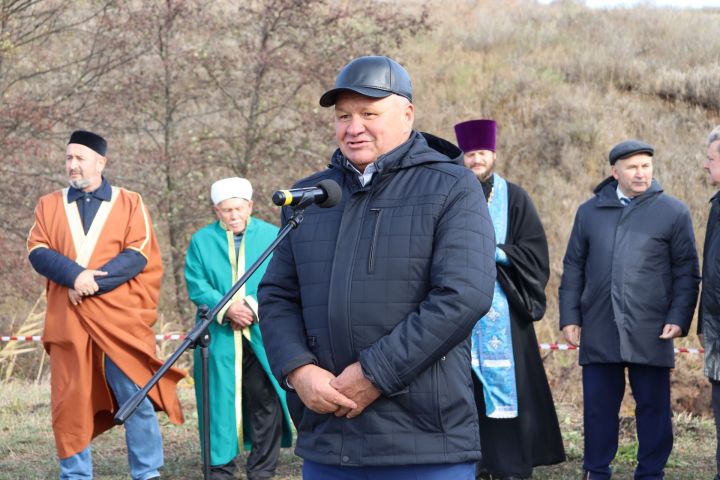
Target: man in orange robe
<point x="96" y="246"/>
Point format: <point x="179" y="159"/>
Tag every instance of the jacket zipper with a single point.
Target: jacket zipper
<point x="371" y="260"/>
<point x="436" y="385"/>
<point x="348" y="281"/>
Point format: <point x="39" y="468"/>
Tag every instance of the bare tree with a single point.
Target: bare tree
<point x="185" y="91"/>
<point x="285" y="52"/>
<point x="51" y="58"/>
<point x="223" y="90"/>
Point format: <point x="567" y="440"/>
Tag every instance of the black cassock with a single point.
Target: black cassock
<point x="512" y="447"/>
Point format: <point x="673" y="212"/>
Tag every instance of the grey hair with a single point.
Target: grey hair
<point x="714" y="136"/>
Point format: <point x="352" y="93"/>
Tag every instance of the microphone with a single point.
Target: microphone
<point x="326" y="194"/>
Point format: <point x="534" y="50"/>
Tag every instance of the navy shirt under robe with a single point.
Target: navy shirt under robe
<point x="62" y="270"/>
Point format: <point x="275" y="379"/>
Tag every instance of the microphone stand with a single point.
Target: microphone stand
<point x="200" y="337"/>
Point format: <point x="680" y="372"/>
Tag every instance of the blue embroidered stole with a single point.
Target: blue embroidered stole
<point x="492" y="353"/>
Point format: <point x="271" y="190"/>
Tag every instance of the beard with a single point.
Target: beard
<point x="80" y="184"/>
<point x="483" y="177"/>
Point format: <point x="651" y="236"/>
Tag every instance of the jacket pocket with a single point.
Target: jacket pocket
<point x="373" y="242"/>
<point x="436" y="386"/>
<point x="419" y="404"/>
<point x="712" y="360"/>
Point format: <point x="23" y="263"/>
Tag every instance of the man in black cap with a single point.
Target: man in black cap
<point x="96" y="246"/>
<point x="630" y="284"/>
<point x="367" y="309"/>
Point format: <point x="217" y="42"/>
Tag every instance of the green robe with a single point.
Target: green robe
<point x="211" y="269"/>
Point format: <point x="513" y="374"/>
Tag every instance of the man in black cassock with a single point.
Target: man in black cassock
<point x="518" y="424"/>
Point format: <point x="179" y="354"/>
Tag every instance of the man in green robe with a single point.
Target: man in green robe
<point x="247" y="406"/>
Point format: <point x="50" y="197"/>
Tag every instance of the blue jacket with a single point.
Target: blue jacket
<point x="394" y="276"/>
<point x="709" y="313"/>
<point x="628" y="271"/>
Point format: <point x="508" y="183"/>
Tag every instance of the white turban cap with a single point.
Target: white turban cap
<point x="233" y="187"/>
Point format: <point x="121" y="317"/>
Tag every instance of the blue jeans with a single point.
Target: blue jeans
<point x="142" y="435"/>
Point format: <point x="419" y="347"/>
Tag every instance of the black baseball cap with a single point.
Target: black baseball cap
<point x="372" y="76"/>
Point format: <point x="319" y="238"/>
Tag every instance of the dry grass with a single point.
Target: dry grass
<point x="27" y="448"/>
<point x="14" y="351"/>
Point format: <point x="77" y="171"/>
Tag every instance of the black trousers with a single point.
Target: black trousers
<point x="263" y="413"/>
<point x="261" y="403"/>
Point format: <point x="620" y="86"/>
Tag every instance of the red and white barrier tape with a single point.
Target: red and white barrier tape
<point x="557" y="346"/>
<point x="565" y="346"/>
<point x="542" y="346"/>
<point x="38" y="338"/>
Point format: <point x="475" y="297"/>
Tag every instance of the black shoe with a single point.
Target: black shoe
<point x="220" y="475"/>
<point x="259" y="475"/>
<point x="481" y="473"/>
<point x="223" y="472"/>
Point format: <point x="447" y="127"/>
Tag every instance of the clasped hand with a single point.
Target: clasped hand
<point x="348" y="394"/>
<point x="240" y="315"/>
<point x="85" y="285"/>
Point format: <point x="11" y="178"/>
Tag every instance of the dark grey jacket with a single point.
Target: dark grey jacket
<point x="628" y="272"/>
<point x="394" y="276"/>
<point x="709" y="317"/>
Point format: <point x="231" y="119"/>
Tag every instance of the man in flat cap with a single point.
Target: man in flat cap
<point x="367" y="309"/>
<point x="518" y="425"/>
<point x="629" y="286"/>
<point x="96" y="246"/>
<point x="247" y="406"/>
<point x="709" y="314"/>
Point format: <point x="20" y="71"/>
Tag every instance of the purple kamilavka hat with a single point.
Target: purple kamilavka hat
<point x="476" y="135"/>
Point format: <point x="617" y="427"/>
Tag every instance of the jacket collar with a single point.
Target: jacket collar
<point x="607" y="195"/>
<point x="420" y="148"/>
<point x="102" y="193"/>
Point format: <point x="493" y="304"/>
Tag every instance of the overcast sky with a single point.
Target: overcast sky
<point x="659" y="3"/>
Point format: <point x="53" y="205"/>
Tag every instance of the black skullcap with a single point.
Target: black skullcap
<point x="90" y="140"/>
<point x="372" y="76"/>
<point x="628" y="148"/>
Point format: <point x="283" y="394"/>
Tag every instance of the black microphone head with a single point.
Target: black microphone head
<point x="278" y="198"/>
<point x="333" y="191"/>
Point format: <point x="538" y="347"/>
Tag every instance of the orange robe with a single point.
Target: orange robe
<point x="116" y="323"/>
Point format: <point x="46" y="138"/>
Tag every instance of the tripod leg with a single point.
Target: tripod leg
<point x="204" y="358"/>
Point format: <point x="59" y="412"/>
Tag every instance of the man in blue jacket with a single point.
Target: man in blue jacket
<point x="368" y="306"/>
<point x="630" y="284"/>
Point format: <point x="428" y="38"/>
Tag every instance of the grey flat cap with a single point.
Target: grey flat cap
<point x="376" y="77"/>
<point x="628" y="148"/>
